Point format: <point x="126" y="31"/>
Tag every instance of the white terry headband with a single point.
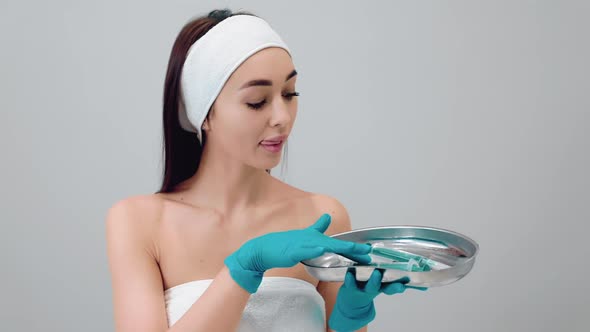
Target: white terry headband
<point x="213" y="58"/>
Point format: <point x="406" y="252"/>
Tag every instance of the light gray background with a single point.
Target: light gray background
<point x="467" y="115"/>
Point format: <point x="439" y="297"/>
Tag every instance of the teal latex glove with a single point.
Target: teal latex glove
<point x="354" y="306"/>
<point x="285" y="249"/>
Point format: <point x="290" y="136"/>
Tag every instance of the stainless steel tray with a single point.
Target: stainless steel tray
<point x="453" y="255"/>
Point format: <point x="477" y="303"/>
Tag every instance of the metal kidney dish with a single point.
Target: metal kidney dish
<point x="453" y="255"/>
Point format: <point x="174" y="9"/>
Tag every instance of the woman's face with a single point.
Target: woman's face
<point x="248" y="112"/>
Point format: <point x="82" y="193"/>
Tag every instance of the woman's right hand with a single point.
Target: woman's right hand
<point x="285" y="249"/>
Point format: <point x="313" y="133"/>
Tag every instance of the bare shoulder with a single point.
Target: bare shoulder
<point x="133" y="218"/>
<point x="335" y="208"/>
<point x="138" y="208"/>
<point x="311" y="206"/>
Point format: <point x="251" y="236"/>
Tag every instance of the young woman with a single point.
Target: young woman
<point x="218" y="247"/>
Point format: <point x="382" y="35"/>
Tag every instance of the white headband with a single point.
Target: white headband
<point x="213" y="58"/>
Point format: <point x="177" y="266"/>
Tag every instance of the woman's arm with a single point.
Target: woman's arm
<point x="340" y="223"/>
<point x="138" y="294"/>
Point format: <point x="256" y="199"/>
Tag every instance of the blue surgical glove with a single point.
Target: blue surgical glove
<point x="285" y="249"/>
<point x="354" y="307"/>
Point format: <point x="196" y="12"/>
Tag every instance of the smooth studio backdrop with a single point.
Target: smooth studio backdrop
<point x="468" y="115"/>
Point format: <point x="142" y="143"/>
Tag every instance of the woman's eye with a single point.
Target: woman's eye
<point x="259" y="105"/>
<point x="290" y="95"/>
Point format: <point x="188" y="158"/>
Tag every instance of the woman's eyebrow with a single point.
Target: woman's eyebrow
<point x="266" y="82"/>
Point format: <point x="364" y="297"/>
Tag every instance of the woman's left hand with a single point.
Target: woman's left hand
<point x="354" y="306"/>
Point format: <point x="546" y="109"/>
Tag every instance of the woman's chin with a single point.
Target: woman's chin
<point x="268" y="164"/>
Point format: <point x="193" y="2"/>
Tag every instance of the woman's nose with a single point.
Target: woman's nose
<point x="281" y="114"/>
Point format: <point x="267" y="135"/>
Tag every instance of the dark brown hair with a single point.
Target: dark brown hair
<point x="181" y="149"/>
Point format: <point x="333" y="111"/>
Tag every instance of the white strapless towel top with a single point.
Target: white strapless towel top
<point x="280" y="304"/>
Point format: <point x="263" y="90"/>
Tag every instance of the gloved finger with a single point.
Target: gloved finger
<point x="304" y="253"/>
<point x="374" y="282"/>
<point x="393" y="288"/>
<point x="406" y="280"/>
<point x="347" y="247"/>
<point x="403" y="280"/>
<point x="321" y="225"/>
<point x="350" y="280"/>
<point x="362" y="259"/>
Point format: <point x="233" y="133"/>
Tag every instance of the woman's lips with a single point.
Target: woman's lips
<point x="272" y="146"/>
